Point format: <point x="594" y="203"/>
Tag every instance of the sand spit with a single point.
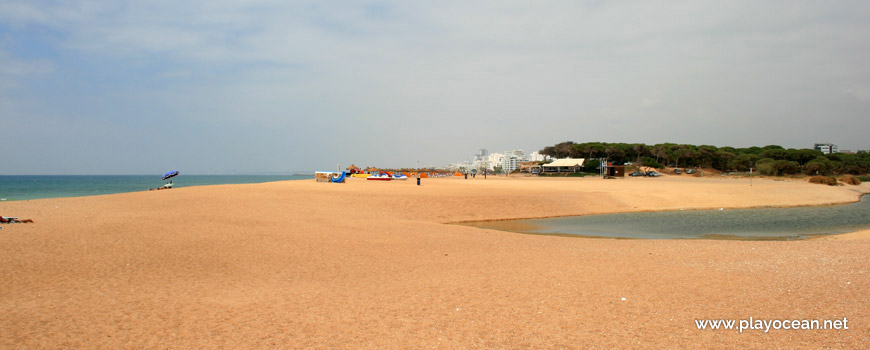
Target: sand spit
<point x="300" y="264"/>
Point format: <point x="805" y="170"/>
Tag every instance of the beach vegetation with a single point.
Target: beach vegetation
<point x="774" y="160"/>
<point x="591" y="166"/>
<point x="824" y="180"/>
<point x="850" y="180"/>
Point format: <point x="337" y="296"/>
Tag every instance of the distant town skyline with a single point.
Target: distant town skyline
<point x="490" y="160"/>
<point x="247" y="87"/>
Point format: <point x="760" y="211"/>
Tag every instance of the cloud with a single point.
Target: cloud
<point x="861" y="93"/>
<point x="11" y="66"/>
<point x="493" y="74"/>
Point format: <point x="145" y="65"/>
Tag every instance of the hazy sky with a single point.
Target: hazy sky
<point x="142" y="87"/>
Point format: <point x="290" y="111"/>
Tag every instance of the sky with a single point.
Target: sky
<point x="276" y="86"/>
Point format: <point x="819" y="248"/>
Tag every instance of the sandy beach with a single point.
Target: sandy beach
<point x="364" y="264"/>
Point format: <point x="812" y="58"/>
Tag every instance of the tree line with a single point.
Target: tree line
<point x="769" y="160"/>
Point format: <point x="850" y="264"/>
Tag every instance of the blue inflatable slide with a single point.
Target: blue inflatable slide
<point x="340" y="178"/>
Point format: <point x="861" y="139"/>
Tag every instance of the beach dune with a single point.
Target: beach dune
<point x="299" y="264"/>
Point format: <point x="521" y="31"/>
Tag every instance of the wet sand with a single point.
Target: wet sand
<point x="367" y="264"/>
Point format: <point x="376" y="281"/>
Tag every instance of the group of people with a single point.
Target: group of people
<point x="11" y="220"/>
<point x="164" y="187"/>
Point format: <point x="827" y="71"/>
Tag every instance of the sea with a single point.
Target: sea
<point x="24" y="187"/>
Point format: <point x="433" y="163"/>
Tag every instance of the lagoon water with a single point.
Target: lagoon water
<point x="22" y="187"/>
<point x="746" y="224"/>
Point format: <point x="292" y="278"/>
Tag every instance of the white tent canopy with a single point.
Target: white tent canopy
<point x="565" y="165"/>
<point x="566" y="162"/>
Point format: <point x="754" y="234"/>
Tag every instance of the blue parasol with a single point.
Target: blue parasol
<point x="173" y="173"/>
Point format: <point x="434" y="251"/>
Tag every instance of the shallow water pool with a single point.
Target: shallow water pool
<point x="741" y="224"/>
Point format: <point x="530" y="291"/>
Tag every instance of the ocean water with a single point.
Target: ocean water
<point x="23" y="187"/>
<point x="741" y="224"/>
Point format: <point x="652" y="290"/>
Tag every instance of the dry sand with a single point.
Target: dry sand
<point x="365" y="264"/>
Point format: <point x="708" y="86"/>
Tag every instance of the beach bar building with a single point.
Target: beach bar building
<point x="530" y="167"/>
<point x="565" y="165"/>
<point x="615" y="171"/>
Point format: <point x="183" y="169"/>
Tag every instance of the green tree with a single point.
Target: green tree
<point x="640" y="150"/>
<point x="818" y="166"/>
<point x="742" y="162"/>
<point x="648" y="161"/>
<point x="707" y="154"/>
<point x="751" y="150"/>
<point x="774" y="153"/>
<point x="722" y="160"/>
<point x="591" y="166"/>
<point x="661" y="152"/>
<point x="592" y="150"/>
<point x="564" y="149"/>
<point x="765" y="166"/>
<point x="687" y="153"/>
<point x="787" y="167"/>
<point x="614" y="152"/>
<point x="834" y="157"/>
<point x="777" y="167"/>
<point x="771" y="159"/>
<point x="853" y="164"/>
<point x="802" y="156"/>
<point x="549" y="151"/>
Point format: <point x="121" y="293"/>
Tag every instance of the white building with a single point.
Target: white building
<point x="481" y="155"/>
<point x="826" y="148"/>
<point x="460" y="166"/>
<point x="495" y="159"/>
<point x="512" y="160"/>
<point x="538" y="157"/>
<point x="508" y="161"/>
